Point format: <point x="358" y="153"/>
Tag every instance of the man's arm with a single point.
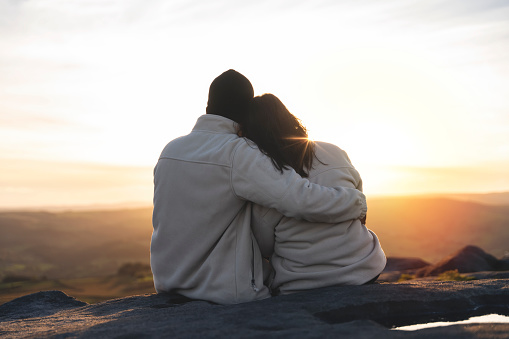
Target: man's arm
<point x="255" y="179"/>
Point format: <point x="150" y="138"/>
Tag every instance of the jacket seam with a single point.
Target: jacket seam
<point x="236" y="263"/>
<point x="330" y="169"/>
<point x="194" y="161"/>
<point x="211" y="132"/>
<point x="232" y="168"/>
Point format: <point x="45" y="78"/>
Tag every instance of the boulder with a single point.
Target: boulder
<point x="39" y="305"/>
<point x="467" y="259"/>
<point x="367" y="311"/>
<point x="503" y="264"/>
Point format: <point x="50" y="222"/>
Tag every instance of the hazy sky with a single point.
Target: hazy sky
<point x="417" y="92"/>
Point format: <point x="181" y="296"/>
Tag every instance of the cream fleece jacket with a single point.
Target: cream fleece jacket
<point x="202" y="244"/>
<point x="308" y="255"/>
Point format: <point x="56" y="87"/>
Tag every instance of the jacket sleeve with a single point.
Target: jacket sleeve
<point x="254" y="178"/>
<point x="355" y="174"/>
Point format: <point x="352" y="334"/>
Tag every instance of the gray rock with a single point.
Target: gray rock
<point x="468" y="259"/>
<point x="38" y="305"/>
<point x="341" y="311"/>
<point x="503" y="265"/>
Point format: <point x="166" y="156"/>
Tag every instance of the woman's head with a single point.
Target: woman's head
<point x="278" y="134"/>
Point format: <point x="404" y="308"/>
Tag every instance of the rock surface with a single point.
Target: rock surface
<point x="340" y="311"/>
<point x="39" y="305"/>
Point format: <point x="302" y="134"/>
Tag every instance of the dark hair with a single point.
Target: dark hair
<point x="229" y="95"/>
<point x="278" y="134"/>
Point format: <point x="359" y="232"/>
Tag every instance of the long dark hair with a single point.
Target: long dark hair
<point x="278" y="134"/>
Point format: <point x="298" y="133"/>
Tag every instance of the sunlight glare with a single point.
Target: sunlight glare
<point x="383" y="105"/>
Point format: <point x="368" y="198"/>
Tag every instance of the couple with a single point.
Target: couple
<point x="246" y="185"/>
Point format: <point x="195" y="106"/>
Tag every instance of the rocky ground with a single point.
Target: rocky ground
<point x="342" y="311"/>
<point x="369" y="311"/>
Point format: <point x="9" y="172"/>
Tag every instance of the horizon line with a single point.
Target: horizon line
<point x="147" y="204"/>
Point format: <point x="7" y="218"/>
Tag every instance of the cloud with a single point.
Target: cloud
<point x="402" y="180"/>
<point x="28" y="183"/>
<point x="101" y="62"/>
<point x="10" y="10"/>
<point x="16" y="120"/>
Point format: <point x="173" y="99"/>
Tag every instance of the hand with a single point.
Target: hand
<point x="364" y="209"/>
<point x="363" y="220"/>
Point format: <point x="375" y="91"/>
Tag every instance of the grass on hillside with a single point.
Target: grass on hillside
<point x="131" y="279"/>
<point x="90" y="290"/>
<point x="454" y="275"/>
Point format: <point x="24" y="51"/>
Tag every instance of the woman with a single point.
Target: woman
<point x="308" y="255"/>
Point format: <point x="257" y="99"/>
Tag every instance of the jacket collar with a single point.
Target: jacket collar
<point x="215" y="123"/>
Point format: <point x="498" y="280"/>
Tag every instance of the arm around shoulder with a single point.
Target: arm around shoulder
<point x="254" y="178"/>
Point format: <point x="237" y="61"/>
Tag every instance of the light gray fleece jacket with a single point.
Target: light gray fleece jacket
<point x="202" y="244"/>
<point x="309" y="255"/>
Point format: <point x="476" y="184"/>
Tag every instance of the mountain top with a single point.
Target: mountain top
<point x="468" y="259"/>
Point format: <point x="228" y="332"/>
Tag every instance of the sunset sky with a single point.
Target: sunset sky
<point x="416" y="92"/>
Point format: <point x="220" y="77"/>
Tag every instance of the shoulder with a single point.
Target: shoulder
<point x="331" y="154"/>
<point x="328" y="147"/>
<point x="332" y="167"/>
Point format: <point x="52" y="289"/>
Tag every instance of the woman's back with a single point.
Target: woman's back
<point x="312" y="255"/>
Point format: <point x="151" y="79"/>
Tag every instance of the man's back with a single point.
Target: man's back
<point x="202" y="245"/>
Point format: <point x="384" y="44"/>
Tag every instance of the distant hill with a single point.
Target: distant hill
<point x="500" y="198"/>
<point x="73" y="244"/>
<point x="78" y="208"/>
<point x="91" y="290"/>
<point x="96" y="243"/>
<point x="431" y="228"/>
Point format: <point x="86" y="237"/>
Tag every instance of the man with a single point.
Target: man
<point x="202" y="245"/>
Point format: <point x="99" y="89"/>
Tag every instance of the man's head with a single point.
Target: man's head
<point x="229" y="95"/>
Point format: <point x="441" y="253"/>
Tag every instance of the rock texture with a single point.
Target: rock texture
<point x="341" y="311"/>
<point x="39" y="305"/>
<point x="467" y="259"/>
